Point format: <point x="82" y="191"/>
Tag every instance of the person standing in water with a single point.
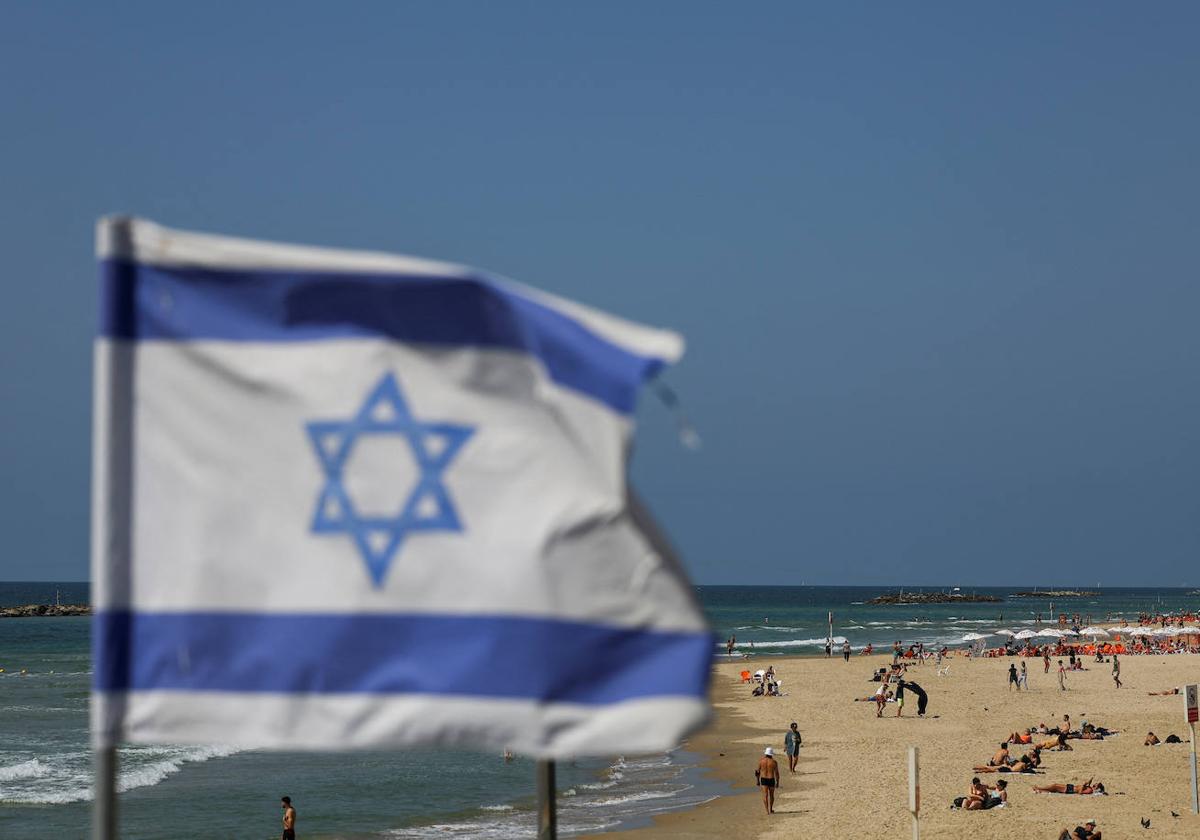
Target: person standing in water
<point x="791" y="745"/>
<point x="289" y="818"/>
<point x="768" y="778"/>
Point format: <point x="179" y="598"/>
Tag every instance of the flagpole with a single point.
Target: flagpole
<point x="104" y="808"/>
<point x="547" y="811"/>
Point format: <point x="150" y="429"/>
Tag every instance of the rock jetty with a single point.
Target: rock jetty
<point x="45" y="610"/>
<point x="1054" y="593"/>
<point x="932" y="598"/>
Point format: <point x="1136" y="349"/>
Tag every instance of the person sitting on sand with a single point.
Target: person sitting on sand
<point x="977" y="794"/>
<point x="1151" y="740"/>
<point x="1023" y="737"/>
<point x="1087" y="831"/>
<point x="1024" y="764"/>
<point x="980" y="797"/>
<point x="1088" y="788"/>
<point x="1000" y="757"/>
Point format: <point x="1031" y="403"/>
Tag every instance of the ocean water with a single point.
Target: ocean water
<point x="794" y="620"/>
<point x="170" y="791"/>
<point x="173" y="791"/>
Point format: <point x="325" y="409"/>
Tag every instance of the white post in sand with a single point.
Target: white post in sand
<point x="914" y="791"/>
<point x="1191" y="699"/>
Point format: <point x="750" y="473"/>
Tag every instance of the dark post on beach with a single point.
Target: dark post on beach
<point x="547" y="808"/>
<point x="104" y="808"/>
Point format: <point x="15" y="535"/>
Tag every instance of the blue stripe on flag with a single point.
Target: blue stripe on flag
<point x="477" y="656"/>
<point x="140" y="302"/>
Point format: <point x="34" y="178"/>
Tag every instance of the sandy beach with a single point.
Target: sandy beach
<point x="851" y="779"/>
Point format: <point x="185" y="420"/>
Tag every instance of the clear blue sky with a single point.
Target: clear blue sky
<point x="936" y="263"/>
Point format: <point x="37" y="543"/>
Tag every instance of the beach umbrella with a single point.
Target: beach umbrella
<point x="1067" y="632"/>
<point x="1141" y="631"/>
<point x="1004" y="633"/>
<point x="1025" y="634"/>
<point x="1167" y="631"/>
<point x="975" y="637"/>
<point x="1050" y="632"/>
<point x="1093" y="631"/>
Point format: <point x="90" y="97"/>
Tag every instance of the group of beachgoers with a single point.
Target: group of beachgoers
<point x="765" y="683"/>
<point x="896" y="676"/>
<point x="767" y="775"/>
<point x="1039" y="739"/>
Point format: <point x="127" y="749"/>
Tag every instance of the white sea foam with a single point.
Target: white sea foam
<point x="639" y="796"/>
<point x="66" y="777"/>
<point x="790" y="643"/>
<point x="31" y="769"/>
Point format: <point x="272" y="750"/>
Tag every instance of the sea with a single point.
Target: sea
<point x="170" y="791"/>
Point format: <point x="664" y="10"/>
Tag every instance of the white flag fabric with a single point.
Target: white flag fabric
<point x="349" y="500"/>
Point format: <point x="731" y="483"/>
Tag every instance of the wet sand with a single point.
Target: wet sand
<point x="852" y="779"/>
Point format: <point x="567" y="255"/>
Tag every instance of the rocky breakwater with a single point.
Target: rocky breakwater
<point x="932" y="598"/>
<point x="1055" y="593"/>
<point x="45" y="611"/>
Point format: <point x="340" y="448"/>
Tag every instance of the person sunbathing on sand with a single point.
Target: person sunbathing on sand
<point x="1024" y="764"/>
<point x="1086" y="789"/>
<point x="980" y="797"/>
<point x="1058" y="742"/>
<point x="1151" y="740"/>
<point x="977" y="794"/>
<point x="1023" y="737"/>
<point x="1174" y="690"/>
<point x="1000" y="758"/>
<point x="1087" y="831"/>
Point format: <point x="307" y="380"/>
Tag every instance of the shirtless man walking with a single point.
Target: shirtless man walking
<point x="289" y="819"/>
<point x="768" y="778"/>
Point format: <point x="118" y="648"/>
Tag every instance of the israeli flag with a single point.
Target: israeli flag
<point x="350" y="499"/>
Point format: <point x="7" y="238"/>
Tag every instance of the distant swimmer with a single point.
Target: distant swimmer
<point x="289" y="818"/>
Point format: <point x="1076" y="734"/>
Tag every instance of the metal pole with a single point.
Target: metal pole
<point x="1195" y="790"/>
<point x="104" y="808"/>
<point x="547" y="811"/>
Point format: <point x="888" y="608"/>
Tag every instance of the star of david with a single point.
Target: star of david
<point x="428" y="507"/>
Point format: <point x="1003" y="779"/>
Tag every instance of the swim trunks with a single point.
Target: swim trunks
<point x="289" y="834"/>
<point x="1070" y="788"/>
<point x="767" y="782"/>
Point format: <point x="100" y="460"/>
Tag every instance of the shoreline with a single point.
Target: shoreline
<point x="730" y="747"/>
